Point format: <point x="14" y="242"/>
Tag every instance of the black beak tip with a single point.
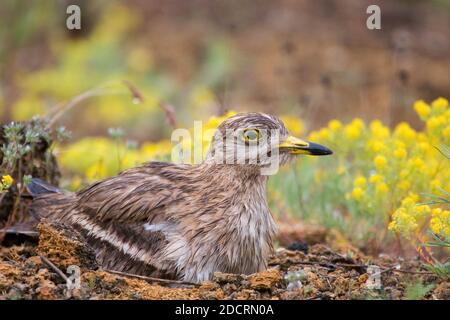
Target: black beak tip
<point x="319" y="150"/>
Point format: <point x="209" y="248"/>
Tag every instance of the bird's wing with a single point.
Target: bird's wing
<point x="136" y="195"/>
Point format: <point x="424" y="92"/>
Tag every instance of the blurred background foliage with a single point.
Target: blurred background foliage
<point x="314" y="59"/>
<point x="308" y="61"/>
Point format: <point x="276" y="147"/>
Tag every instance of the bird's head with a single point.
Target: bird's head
<point x="258" y="139"/>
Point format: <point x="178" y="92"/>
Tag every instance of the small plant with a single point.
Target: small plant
<point x="442" y="270"/>
<point x="25" y="151"/>
<point x="417" y="291"/>
<point x="16" y="146"/>
<point x="62" y="134"/>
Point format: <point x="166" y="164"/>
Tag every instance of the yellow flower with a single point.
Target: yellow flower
<point x="376" y="146"/>
<point x="447" y="114"/>
<point x="441" y="120"/>
<point x="414" y="196"/>
<point x="375" y="178"/>
<point x="435" y="122"/>
<point x="7" y="181"/>
<point x="352" y="132"/>
<point x="379" y="130"/>
<point x="380" y="162"/>
<point x="357" y="122"/>
<point x="294" y="125"/>
<point x="439" y="222"/>
<point x="324" y="134"/>
<point x="435" y="183"/>
<point x="404" y="132"/>
<point x="357" y="193"/>
<point x="440" y="104"/>
<point x="436" y="225"/>
<point x="422" y="209"/>
<point x="381" y="188"/>
<point x="409" y="202"/>
<point x="418" y="163"/>
<point x="334" y="125"/>
<point x="399" y="144"/>
<point x="400" y="153"/>
<point x="403" y="222"/>
<point x="424" y="147"/>
<point x="436" y="212"/>
<point x="404" y="185"/>
<point x="422" y="109"/>
<point x="446" y="132"/>
<point x="360" y="181"/>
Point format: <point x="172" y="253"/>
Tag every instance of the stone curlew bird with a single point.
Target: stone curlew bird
<point x="180" y="221"/>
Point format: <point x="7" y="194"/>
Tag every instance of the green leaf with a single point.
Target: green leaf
<point x="417" y="291"/>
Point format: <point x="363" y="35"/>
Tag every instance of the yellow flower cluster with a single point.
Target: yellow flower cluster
<point x="388" y="168"/>
<point x="440" y="221"/>
<point x="432" y="172"/>
<point x="94" y="158"/>
<point x="436" y="117"/>
<point x="410" y="216"/>
<point x="407" y="217"/>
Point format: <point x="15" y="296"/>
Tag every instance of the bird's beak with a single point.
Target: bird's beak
<point x="294" y="145"/>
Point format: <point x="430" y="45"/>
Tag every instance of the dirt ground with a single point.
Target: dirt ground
<point x="35" y="269"/>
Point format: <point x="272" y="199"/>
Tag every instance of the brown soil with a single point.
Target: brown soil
<point x="322" y="273"/>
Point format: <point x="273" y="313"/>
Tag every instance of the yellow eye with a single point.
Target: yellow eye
<point x="251" y="135"/>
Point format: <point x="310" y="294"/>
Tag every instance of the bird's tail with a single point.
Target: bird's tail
<point x="39" y="187"/>
<point x="49" y="201"/>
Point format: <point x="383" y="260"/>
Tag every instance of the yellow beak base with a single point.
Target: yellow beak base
<point x="295" y="145"/>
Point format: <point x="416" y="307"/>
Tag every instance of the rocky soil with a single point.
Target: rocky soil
<point x="36" y="269"/>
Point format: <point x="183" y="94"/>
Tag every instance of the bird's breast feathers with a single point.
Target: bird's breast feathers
<point x="234" y="238"/>
<point x="239" y="242"/>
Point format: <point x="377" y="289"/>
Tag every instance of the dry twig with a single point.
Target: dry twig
<point x="55" y="268"/>
<point x="151" y="279"/>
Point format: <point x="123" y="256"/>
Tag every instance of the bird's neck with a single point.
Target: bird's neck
<point x="246" y="219"/>
<point x="242" y="185"/>
<point x="242" y="173"/>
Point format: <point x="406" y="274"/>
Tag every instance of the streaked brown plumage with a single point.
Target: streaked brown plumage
<point x="179" y="221"/>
